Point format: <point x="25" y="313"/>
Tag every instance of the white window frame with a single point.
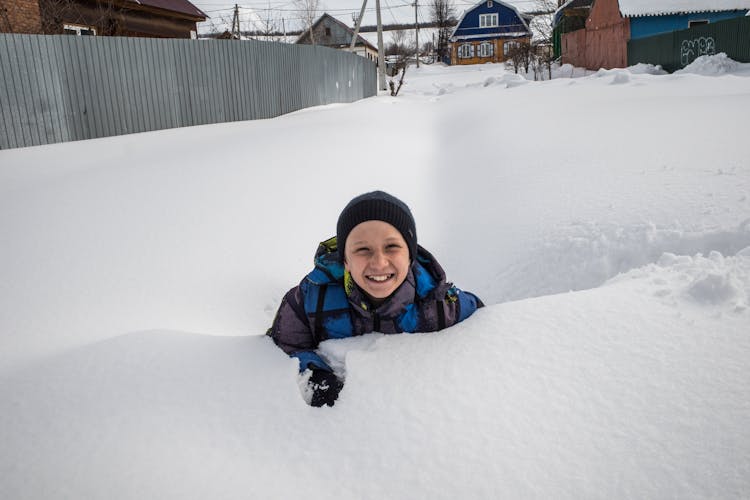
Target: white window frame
<point x="488" y="20"/>
<point x="465" y="51"/>
<point x="486" y="49"/>
<point x="489" y="4"/>
<point x="78" y="28"/>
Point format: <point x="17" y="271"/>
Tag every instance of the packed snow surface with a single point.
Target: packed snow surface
<point x="604" y="219"/>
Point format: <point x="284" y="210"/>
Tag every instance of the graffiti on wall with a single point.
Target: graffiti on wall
<point x="691" y="49"/>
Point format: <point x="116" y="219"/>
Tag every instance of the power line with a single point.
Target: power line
<point x="388" y="8"/>
<point x="282" y="4"/>
<point x="265" y="9"/>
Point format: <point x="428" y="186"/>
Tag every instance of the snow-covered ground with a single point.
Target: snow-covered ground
<point x="605" y="220"/>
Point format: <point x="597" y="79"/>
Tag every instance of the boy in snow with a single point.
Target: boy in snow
<point x="377" y="279"/>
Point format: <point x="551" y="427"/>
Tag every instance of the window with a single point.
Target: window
<point x="465" y="50"/>
<point x="487" y="20"/>
<point x="78" y="30"/>
<point x="508" y="47"/>
<point x="697" y="22"/>
<point x="486" y="49"/>
<point x="328" y="31"/>
<point x="489" y="4"/>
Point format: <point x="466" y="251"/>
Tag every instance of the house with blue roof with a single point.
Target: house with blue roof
<point x="488" y="32"/>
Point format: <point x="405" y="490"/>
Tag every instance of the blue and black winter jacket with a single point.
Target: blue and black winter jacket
<point x="329" y="305"/>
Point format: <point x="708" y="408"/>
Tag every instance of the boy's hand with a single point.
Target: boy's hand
<point x="325" y="387"/>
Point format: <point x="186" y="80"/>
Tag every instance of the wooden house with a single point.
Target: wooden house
<point x="138" y="18"/>
<point x="487" y="32"/>
<point x="330" y="32"/>
<point x="612" y="23"/>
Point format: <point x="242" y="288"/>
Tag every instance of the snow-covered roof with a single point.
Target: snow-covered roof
<point x="636" y="8"/>
<point x="326" y="17"/>
<point x="571" y="4"/>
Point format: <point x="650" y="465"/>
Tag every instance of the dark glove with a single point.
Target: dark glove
<point x="325" y="387"/>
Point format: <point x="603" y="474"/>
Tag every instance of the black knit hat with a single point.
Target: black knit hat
<point x="377" y="205"/>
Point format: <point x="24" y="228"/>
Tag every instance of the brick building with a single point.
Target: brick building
<point x="20" y="16"/>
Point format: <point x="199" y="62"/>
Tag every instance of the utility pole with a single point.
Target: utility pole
<point x="416" y="28"/>
<point x="236" y="22"/>
<point x="381" y="52"/>
<point x="357" y="25"/>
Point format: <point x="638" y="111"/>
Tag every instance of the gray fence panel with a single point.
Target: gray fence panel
<point x="62" y="88"/>
<point x="21" y="82"/>
<point x="46" y="91"/>
<point x="183" y="85"/>
<point x="8" y="102"/>
<point x="121" y="89"/>
<point x="155" y="75"/>
<point x="246" y="65"/>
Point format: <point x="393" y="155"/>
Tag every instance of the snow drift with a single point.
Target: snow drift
<point x="140" y="272"/>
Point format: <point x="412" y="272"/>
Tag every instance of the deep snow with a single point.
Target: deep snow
<point x="139" y="273"/>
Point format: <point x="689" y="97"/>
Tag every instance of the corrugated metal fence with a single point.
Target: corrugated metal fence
<point x="67" y="88"/>
<point x="676" y="50"/>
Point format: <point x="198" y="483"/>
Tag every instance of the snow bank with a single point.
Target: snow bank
<point x="585" y="255"/>
<point x="712" y="280"/>
<point x="568" y="71"/>
<point x="646" y="69"/>
<point x="713" y="65"/>
<point x="636" y="389"/>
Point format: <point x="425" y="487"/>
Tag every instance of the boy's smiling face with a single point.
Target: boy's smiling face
<point x="377" y="257"/>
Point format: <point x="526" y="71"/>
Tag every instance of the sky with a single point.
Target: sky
<point x="611" y="246"/>
<point x="392" y="11"/>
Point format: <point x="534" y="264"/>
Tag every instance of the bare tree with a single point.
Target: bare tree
<point x="270" y="24"/>
<point x="397" y="53"/>
<point x="541" y="24"/>
<point x="392" y="84"/>
<point x="401" y="45"/>
<point x="541" y="27"/>
<point x="308" y="11"/>
<point x="520" y="56"/>
<point x="443" y="14"/>
<point x="429" y="49"/>
<point x="221" y="23"/>
<point x="543" y="56"/>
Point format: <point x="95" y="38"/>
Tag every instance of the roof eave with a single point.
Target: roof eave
<point x="198" y="16"/>
<point x="676" y="12"/>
